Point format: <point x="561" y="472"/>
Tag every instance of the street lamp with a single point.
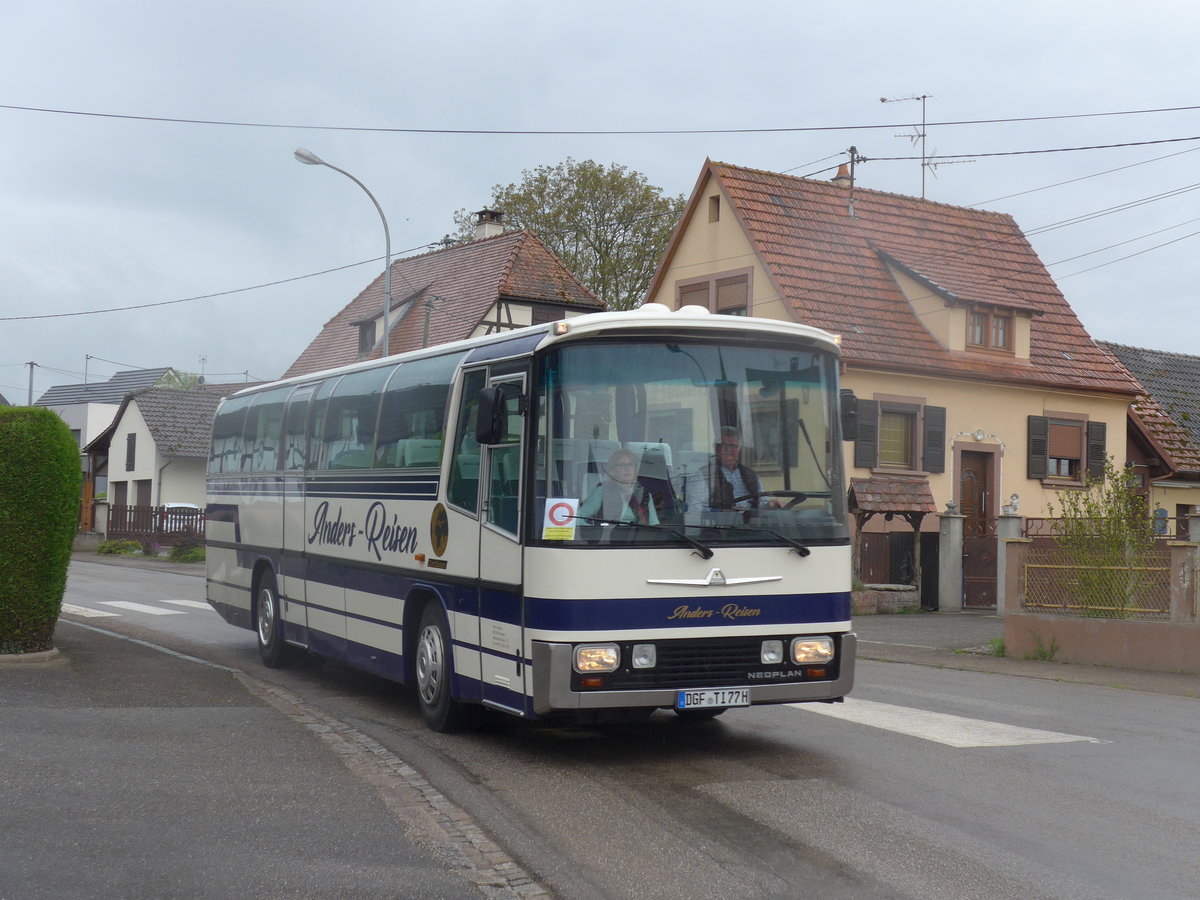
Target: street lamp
<point x="311" y="159"/>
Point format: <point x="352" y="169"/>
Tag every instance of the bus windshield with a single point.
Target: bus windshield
<point x="718" y="442"/>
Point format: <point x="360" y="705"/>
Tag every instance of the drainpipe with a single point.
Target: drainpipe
<point x="160" y="476"/>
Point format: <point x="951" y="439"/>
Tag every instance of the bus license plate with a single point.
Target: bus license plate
<point x="709" y="698"/>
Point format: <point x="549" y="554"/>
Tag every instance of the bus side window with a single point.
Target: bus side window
<point x="293" y="430"/>
<point x="505" y="486"/>
<point x="349" y="428"/>
<point x="463" y="489"/>
<point x="227" y="436"/>
<point x="412" y="419"/>
<point x="263" y="425"/>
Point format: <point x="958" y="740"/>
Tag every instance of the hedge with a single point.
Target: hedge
<point x="39" y="510"/>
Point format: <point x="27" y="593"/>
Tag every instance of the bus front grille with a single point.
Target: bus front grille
<point x="709" y="662"/>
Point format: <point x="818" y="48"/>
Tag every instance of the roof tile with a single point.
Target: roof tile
<point x="454" y="288"/>
<point x="827" y="264"/>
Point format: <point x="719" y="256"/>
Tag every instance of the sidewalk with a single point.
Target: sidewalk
<point x="158" y="564"/>
<point x="962" y="639"/>
<point x="127" y="771"/>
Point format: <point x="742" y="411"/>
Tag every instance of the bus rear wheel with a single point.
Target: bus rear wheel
<point x="269" y="623"/>
<point x="434" y="672"/>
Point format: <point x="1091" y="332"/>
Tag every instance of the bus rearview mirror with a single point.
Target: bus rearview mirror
<point x="849" y="411"/>
<point x="491" y="422"/>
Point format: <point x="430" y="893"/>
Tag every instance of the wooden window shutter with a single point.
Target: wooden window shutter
<point x="934" y="439"/>
<point x="1039" y="431"/>
<point x="130" y="451"/>
<point x="866" y="445"/>
<point x="733" y="293"/>
<point x="694" y="295"/>
<point x="1064" y="440"/>
<point x="1097" y="451"/>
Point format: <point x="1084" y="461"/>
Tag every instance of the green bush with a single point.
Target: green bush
<point x="39" y="510"/>
<point x="119" y="548"/>
<point x="187" y="552"/>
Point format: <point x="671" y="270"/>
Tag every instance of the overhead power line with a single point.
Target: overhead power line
<point x="586" y="131"/>
<point x="1177" y="140"/>
<point x="241" y="290"/>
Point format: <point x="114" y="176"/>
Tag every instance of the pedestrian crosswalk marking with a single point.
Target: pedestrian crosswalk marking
<point x="954" y="731"/>
<point x="142" y="608"/>
<point x="86" y="611"/>
<point x="191" y="604"/>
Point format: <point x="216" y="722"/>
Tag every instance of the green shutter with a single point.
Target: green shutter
<point x="866" y="445"/>
<point x="1039" y="443"/>
<point x="934" y="439"/>
<point x="1097" y="451"/>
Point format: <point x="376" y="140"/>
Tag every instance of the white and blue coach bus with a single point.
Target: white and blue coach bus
<point x="465" y="518"/>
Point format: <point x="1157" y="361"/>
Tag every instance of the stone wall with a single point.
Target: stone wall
<point x="885" y="598"/>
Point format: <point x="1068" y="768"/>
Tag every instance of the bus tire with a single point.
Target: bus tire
<point x="434" y="671"/>
<point x="268" y="622"/>
<point x="700" y="715"/>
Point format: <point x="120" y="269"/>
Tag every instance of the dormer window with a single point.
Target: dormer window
<point x="366" y="337"/>
<point x="990" y="329"/>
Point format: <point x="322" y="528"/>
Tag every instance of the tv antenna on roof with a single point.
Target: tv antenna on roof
<point x="919" y="135"/>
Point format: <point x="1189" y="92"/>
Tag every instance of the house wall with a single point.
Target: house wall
<point x="146" y="459"/>
<point x="1001" y="413"/>
<point x="182" y="481"/>
<point x="89" y="419"/>
<point x="722" y="240"/>
<point x="1170" y="494"/>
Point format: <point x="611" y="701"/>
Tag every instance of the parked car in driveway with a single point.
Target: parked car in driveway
<point x="178" y="518"/>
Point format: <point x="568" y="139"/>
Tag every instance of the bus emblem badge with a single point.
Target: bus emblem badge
<point x="716" y="576"/>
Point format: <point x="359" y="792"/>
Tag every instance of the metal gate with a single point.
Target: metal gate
<point x="979" y="532"/>
<point x="979" y="565"/>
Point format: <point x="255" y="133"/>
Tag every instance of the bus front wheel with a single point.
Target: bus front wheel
<point x="434" y="671"/>
<point x="269" y="622"/>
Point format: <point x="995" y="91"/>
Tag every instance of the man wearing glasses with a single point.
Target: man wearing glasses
<point x="731" y="483"/>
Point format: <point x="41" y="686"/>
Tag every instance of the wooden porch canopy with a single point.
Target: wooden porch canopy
<point x="907" y="496"/>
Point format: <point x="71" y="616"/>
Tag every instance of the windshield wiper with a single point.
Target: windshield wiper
<point x="791" y="542"/>
<point x="702" y="551"/>
<point x="801" y="549"/>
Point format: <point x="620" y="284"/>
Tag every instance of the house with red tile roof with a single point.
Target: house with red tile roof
<point x="1164" y="428"/>
<point x="980" y="391"/>
<point x="497" y="282"/>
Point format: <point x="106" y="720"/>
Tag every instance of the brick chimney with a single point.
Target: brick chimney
<point x="488" y="223"/>
<point x="843" y="176"/>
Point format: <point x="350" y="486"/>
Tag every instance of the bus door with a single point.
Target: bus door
<point x="292" y="574"/>
<point x="501" y="607"/>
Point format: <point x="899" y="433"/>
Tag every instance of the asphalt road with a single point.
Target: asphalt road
<point x="930" y="782"/>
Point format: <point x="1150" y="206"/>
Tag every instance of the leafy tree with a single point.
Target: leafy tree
<point x="1106" y="532"/>
<point x="39" y="510"/>
<point x="609" y="225"/>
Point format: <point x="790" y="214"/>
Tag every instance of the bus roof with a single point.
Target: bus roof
<point x="653" y="316"/>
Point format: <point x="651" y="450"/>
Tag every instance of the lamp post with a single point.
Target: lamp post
<point x="311" y="159"/>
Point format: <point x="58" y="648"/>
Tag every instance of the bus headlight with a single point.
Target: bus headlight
<point x="644" y="656"/>
<point x="809" y="650"/>
<point x="771" y="653"/>
<point x="597" y="658"/>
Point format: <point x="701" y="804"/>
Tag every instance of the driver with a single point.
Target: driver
<point x="731" y="483"/>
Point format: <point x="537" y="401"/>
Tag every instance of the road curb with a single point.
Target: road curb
<point x="31" y="659"/>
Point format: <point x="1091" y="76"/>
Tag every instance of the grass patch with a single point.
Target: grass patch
<point x="1043" y="652"/>
<point x="120" y="548"/>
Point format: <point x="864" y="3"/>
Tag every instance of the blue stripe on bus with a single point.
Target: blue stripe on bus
<point x="658" y="612"/>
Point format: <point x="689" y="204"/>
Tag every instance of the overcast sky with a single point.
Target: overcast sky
<point x="117" y="208"/>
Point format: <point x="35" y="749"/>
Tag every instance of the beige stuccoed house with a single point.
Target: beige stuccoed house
<point x="980" y="392"/>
